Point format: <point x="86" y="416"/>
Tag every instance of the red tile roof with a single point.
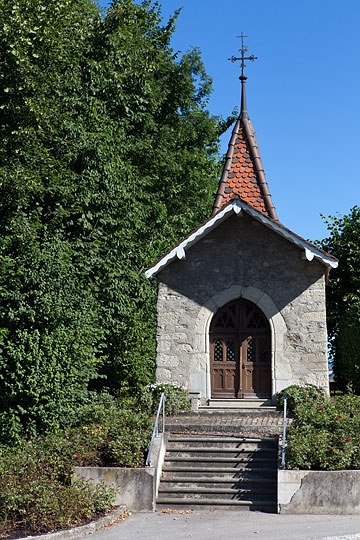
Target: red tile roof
<point x="241" y="179"/>
<point x="243" y="175"/>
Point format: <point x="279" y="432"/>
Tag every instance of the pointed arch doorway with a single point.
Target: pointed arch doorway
<point x="240" y="352"/>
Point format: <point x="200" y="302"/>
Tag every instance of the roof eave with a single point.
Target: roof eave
<point x="310" y="252"/>
<point x="179" y="250"/>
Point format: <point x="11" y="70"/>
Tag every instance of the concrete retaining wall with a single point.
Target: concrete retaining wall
<point x="318" y="492"/>
<point x="137" y="488"/>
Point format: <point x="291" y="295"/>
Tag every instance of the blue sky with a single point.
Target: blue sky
<point x="303" y="94"/>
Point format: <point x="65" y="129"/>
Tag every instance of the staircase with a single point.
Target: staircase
<point x="219" y="471"/>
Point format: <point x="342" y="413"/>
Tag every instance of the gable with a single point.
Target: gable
<point x="237" y="207"/>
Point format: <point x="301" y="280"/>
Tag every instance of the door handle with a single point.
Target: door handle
<point x="243" y="366"/>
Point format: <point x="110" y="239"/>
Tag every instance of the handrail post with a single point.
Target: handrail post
<point x="156" y="427"/>
<point x="163" y="412"/>
<point x="284" y="433"/>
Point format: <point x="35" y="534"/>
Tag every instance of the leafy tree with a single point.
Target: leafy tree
<point x="108" y="157"/>
<point x="343" y="298"/>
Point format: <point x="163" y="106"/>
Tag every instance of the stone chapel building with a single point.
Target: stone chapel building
<point x="241" y="300"/>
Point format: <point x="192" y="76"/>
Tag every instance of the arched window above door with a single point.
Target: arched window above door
<point x="239" y="315"/>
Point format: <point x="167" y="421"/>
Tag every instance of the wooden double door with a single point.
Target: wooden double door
<point x="240" y="352"/>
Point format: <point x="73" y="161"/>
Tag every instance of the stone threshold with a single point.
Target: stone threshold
<point x="249" y="403"/>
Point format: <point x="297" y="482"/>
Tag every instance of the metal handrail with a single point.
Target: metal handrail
<point x="284" y="433"/>
<point x="156" y="427"/>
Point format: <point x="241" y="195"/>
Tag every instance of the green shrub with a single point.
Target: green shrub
<point x="177" y="398"/>
<point x="94" y="409"/>
<point x="109" y="431"/>
<point x="121" y="437"/>
<point x="38" y="492"/>
<point x="325" y="435"/>
<point x="129" y="448"/>
<point x="298" y="394"/>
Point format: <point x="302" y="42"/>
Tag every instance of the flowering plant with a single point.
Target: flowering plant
<point x="177" y="397"/>
<point x="155" y="386"/>
<point x="326" y="437"/>
<point x="298" y="394"/>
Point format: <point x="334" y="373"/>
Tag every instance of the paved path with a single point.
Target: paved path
<point x="255" y="422"/>
<point x="231" y="525"/>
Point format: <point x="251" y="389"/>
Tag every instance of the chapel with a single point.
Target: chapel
<point x="241" y="300"/>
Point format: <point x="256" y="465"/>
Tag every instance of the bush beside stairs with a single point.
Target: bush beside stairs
<point x="221" y="460"/>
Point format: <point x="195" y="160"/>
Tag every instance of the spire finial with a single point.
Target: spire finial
<point x="243" y="51"/>
<point x="243" y="77"/>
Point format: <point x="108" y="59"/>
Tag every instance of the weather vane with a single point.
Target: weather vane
<point x="243" y="51"/>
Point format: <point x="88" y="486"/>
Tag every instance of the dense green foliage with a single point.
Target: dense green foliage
<point x="343" y="298"/>
<point x="109" y="432"/>
<point x="325" y="434"/>
<point x="107" y="157"/>
<point x="177" y="398"/>
<point x="298" y="395"/>
<point x="37" y="492"/>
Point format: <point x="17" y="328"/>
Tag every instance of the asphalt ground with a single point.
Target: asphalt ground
<point x="231" y="525"/>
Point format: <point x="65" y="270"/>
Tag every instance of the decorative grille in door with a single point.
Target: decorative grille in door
<point x="240" y="351"/>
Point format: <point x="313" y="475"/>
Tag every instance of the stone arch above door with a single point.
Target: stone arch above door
<point x="280" y="368"/>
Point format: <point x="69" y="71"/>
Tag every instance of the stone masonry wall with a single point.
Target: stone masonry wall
<point x="242" y="258"/>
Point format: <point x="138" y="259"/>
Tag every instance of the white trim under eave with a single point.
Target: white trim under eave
<point x="237" y="206"/>
<point x="193" y="238"/>
<point x="310" y="252"/>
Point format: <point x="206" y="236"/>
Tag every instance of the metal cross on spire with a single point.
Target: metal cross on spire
<point x="243" y="51"/>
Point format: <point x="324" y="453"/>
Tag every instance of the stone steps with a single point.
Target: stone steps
<point x="252" y="403"/>
<point x="217" y="482"/>
<point x="214" y="460"/>
<point x="211" y="504"/>
<point x="194" y="440"/>
<point x="207" y="453"/>
<point x="234" y="492"/>
<point x="228" y="472"/>
<point x="234" y="471"/>
<point x="205" y="443"/>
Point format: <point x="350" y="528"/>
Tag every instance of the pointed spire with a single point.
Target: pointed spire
<point x="243" y="174"/>
<point x="243" y="111"/>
